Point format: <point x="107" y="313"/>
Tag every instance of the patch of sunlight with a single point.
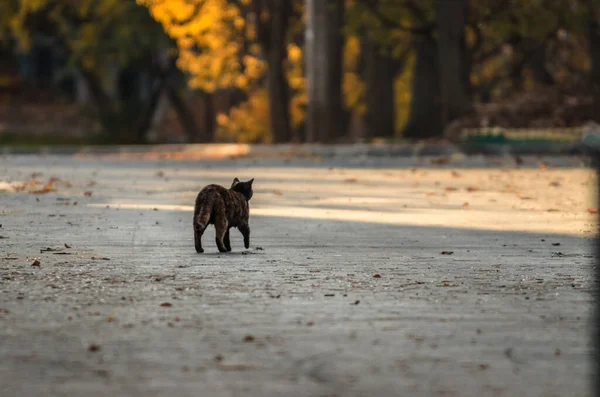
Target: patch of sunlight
<point x="5" y="186"/>
<point x="468" y="219"/>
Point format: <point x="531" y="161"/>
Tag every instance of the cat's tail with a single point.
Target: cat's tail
<point x="203" y="217"/>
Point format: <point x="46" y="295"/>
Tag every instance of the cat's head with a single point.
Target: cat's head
<point x="244" y="188"/>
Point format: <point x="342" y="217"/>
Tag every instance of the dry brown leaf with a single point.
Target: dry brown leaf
<point x="93" y="348"/>
<point x="441" y="160"/>
<point x="350" y="180"/>
<point x="447" y="252"/>
<point x="36" y="263"/>
<point x="377" y="275"/>
<point x="592" y="210"/>
<point x="166" y="304"/>
<point x="88" y="193"/>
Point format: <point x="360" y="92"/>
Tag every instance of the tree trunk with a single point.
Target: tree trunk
<point x="451" y="18"/>
<point x="274" y="44"/>
<point x="325" y="117"/>
<point x="186" y="118"/>
<point x="425" y="117"/>
<point x="380" y="71"/>
<point x="278" y="91"/>
<point x="594" y="46"/>
<point x="145" y="121"/>
<point x="537" y="65"/>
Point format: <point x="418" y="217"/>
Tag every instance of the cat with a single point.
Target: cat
<point x="224" y="208"/>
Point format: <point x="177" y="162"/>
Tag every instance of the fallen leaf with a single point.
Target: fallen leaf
<point x="276" y="193"/>
<point x="110" y="319"/>
<point x="160" y="174"/>
<point x="451" y="189"/>
<point x="441" y="160"/>
<point x="88" y="193"/>
<point x="3" y="237"/>
<point x="377" y="275"/>
<point x="592" y="210"/>
<point x="465" y="204"/>
<point x="523" y="197"/>
<point x="36" y="263"/>
<point x="310" y="324"/>
<point x="518" y="159"/>
<point x="447" y="252"/>
<point x="166" y="304"/>
<point x="557" y="352"/>
<point x="555" y="183"/>
<point x="93" y="348"/>
<point x="472" y="189"/>
<point x="67" y="245"/>
<point x="248" y="338"/>
<point x="100" y="258"/>
<point x="329" y="294"/>
<point x="455" y="174"/>
<point x="556" y="244"/>
<point x="350" y="180"/>
<point x="356" y="302"/>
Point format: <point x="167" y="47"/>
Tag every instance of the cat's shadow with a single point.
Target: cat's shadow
<point x="231" y="253"/>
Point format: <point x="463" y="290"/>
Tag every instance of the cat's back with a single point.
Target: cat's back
<point x="210" y="192"/>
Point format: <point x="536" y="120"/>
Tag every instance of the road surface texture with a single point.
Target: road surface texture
<point x="365" y="277"/>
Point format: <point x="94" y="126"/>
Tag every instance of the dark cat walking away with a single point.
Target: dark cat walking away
<point x="224" y="208"/>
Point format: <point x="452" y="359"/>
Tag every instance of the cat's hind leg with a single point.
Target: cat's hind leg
<point x="221" y="230"/>
<point x="226" y="240"/>
<point x="198" y="232"/>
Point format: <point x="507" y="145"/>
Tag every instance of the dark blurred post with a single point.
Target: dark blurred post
<point x="595" y="154"/>
<point x="451" y="17"/>
<point x="324" y="70"/>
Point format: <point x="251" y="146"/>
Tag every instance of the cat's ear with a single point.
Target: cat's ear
<point x="250" y="181"/>
<point x="235" y="182"/>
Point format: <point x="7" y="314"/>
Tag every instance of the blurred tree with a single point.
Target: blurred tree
<point x="234" y="43"/>
<point x="593" y="26"/>
<point x="453" y="65"/>
<point x="393" y="30"/>
<point x="385" y="47"/>
<point x="111" y="44"/>
<point x="325" y="121"/>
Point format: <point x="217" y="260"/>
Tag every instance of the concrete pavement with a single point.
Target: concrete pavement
<point x="365" y="277"/>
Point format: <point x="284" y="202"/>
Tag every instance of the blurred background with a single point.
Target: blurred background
<point x="268" y="71"/>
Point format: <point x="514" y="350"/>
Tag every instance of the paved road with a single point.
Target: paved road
<point x="344" y="292"/>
